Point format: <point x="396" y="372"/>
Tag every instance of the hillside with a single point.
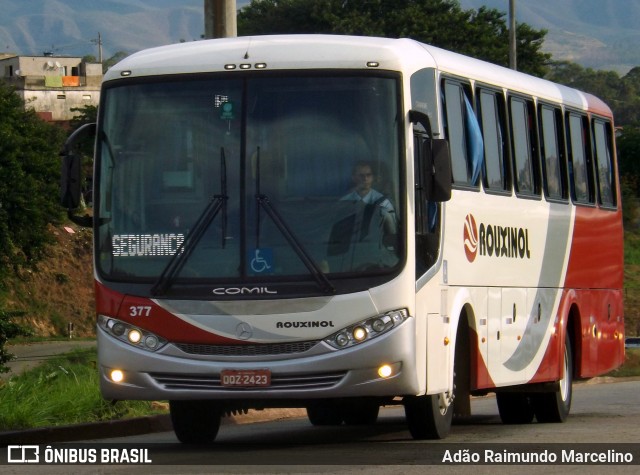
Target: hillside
<point x="60" y="291"/>
<point x="601" y="34"/>
<point x="70" y="27"/>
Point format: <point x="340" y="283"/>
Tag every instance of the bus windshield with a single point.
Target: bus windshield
<point x="217" y="179"/>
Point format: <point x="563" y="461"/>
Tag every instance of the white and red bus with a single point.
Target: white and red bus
<point x="342" y="223"/>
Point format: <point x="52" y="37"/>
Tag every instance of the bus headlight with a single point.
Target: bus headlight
<point x="359" y="333"/>
<point x="366" y="329"/>
<point x="131" y="334"/>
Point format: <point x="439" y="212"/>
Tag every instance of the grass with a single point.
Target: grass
<point x="631" y="248"/>
<point x="632" y="282"/>
<point x="63" y="391"/>
<point x="631" y="365"/>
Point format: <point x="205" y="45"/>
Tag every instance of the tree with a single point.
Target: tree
<point x="116" y="58"/>
<point x="89" y="58"/>
<point x="9" y="329"/>
<point x="29" y="182"/>
<point x="621" y="94"/>
<point x="628" y="144"/>
<point x="482" y="34"/>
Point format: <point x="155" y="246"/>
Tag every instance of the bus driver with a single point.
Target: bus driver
<point x="366" y="228"/>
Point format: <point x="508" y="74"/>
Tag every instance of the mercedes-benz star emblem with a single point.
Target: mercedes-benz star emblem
<point x="244" y="331"/>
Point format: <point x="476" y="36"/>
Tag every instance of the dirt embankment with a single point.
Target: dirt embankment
<point x="60" y="290"/>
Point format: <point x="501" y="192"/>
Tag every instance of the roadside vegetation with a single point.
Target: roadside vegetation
<point x="631" y="367"/>
<point x="63" y="391"/>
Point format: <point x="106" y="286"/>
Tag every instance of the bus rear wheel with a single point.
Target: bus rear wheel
<point x="195" y="422"/>
<point x="555" y="406"/>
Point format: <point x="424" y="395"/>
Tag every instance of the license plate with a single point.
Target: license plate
<point x="245" y="378"/>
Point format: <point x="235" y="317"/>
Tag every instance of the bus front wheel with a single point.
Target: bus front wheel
<point x="429" y="416"/>
<point x="195" y="422"/>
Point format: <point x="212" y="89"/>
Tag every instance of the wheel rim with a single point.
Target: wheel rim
<point x="565" y="381"/>
<point x="445" y="401"/>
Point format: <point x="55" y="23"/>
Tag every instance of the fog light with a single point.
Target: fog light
<point x="359" y="333"/>
<point x="117" y="376"/>
<point x="134" y="336"/>
<point x="385" y="371"/>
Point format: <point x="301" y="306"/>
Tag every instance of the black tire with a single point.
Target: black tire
<point x="555" y="406"/>
<point x="514" y="408"/>
<point x="195" y="422"/>
<point x="429" y="417"/>
<point x="325" y="414"/>
<point x="361" y="414"/>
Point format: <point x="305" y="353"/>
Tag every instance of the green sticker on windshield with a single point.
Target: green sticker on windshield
<point x="227" y="111"/>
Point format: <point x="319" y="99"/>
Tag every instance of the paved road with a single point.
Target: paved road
<point x="31" y="354"/>
<point x="604" y="417"/>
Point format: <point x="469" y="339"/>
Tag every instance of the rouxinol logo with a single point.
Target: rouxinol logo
<point x="492" y="240"/>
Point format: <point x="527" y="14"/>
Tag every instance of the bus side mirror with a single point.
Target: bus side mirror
<point x="71" y="181"/>
<point x="437" y="170"/>
<point x="436" y="161"/>
<point x="71" y="175"/>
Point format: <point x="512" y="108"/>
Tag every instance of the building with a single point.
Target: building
<point x="52" y="85"/>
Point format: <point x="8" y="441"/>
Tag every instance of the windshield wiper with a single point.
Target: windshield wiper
<point x="186" y="248"/>
<point x="263" y="202"/>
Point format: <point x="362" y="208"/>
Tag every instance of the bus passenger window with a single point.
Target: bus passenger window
<point x="464" y="135"/>
<point x="523" y="152"/>
<point x="491" y="105"/>
<point x="604" y="164"/>
<point x="551" y="153"/>
<point x="579" y="173"/>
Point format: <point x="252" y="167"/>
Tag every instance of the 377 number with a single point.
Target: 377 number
<point x="140" y="310"/>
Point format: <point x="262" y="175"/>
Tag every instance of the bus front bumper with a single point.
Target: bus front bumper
<point x="382" y="367"/>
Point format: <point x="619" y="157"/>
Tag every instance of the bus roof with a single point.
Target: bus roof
<point x="298" y="52"/>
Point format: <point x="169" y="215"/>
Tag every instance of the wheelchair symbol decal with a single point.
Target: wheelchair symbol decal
<point x="261" y="261"/>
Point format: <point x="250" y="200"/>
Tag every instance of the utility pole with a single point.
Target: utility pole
<point x="220" y="19"/>
<point x="512" y="35"/>
<point x="99" y="48"/>
<point x="99" y="43"/>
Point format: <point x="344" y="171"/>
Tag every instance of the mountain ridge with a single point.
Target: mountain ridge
<point x="601" y="34"/>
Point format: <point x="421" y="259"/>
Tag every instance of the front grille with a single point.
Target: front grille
<point x="267" y="349"/>
<point x="278" y="382"/>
